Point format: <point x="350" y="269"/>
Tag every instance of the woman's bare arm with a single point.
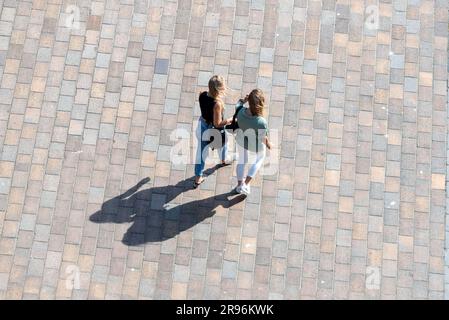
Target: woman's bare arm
<point x="218" y="119"/>
<point x="267" y="142"/>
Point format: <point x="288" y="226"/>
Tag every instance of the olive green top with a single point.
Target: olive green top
<point x="253" y="130"/>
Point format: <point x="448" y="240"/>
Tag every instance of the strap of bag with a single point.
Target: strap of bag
<point x="236" y="112"/>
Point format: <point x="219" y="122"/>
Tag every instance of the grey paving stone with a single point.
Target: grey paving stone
<point x="161" y="66"/>
<point x="229" y="269"/>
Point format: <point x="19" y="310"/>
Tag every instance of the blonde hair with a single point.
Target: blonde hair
<point x="217" y="86"/>
<point x="256" y="101"/>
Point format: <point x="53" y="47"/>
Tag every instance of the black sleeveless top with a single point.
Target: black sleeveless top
<point x="207" y="107"/>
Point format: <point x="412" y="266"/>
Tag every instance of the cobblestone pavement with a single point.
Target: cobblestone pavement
<point x="356" y="209"/>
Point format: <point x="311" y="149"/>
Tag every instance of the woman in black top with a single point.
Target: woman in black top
<point x="212" y="108"/>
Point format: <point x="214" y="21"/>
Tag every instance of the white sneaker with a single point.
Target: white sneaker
<point x="238" y="189"/>
<point x="246" y="190"/>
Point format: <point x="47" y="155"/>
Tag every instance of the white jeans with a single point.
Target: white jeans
<point x="255" y="159"/>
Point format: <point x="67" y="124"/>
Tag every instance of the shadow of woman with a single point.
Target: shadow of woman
<point x="152" y="215"/>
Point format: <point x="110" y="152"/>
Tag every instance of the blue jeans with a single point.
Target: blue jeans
<point x="203" y="148"/>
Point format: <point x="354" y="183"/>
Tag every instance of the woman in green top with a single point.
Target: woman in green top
<point x="252" y="137"/>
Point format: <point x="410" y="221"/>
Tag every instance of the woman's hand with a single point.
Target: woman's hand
<point x="268" y="143"/>
<point x="244" y="100"/>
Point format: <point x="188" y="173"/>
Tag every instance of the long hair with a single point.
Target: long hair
<point x="217" y="86"/>
<point x="256" y="101"/>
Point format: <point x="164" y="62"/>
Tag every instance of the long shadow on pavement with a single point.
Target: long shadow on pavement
<point x="153" y="217"/>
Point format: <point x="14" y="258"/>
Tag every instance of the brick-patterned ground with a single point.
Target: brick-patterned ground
<point x="86" y="113"/>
